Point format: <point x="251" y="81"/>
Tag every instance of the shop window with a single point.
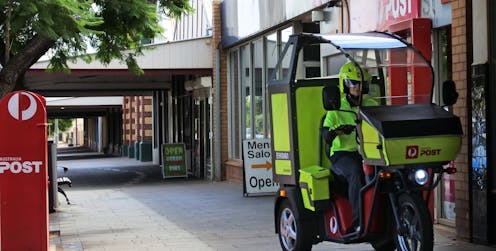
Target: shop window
<point x="258" y="90"/>
<point x="445" y="203"/>
<point x="250" y="66"/>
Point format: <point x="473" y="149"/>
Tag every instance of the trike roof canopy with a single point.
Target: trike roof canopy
<point x="369" y="40"/>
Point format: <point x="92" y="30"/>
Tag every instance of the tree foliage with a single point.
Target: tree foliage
<point x="62" y="124"/>
<point x="115" y="28"/>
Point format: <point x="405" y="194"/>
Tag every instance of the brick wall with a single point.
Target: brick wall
<point x="146" y="118"/>
<point x="139" y="125"/>
<point x="137" y="119"/>
<point x="216" y="44"/>
<point x="126" y="120"/>
<point x="132" y="122"/>
<point x="234" y="171"/>
<point x="460" y="76"/>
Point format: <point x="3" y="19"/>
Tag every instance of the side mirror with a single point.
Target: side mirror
<point x="331" y="98"/>
<point x="449" y="93"/>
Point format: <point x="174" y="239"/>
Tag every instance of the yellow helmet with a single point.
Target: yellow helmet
<point x="350" y="75"/>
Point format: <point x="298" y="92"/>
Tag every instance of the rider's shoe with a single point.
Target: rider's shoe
<point x="354" y="230"/>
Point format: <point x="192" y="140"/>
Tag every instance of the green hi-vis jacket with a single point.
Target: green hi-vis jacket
<point x="334" y="119"/>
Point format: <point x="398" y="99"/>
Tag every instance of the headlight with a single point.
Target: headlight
<point x="421" y="176"/>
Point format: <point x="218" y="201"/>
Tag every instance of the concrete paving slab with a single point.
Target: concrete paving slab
<point x="112" y="213"/>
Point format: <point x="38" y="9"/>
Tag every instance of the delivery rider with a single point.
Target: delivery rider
<point x="341" y="124"/>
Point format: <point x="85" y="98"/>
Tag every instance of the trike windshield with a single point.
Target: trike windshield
<point x="399" y="74"/>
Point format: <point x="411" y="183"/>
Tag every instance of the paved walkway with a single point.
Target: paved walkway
<point x="122" y="204"/>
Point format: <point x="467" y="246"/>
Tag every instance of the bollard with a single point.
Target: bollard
<point x="53" y="200"/>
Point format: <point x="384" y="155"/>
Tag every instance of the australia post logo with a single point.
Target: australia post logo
<point x="22" y="106"/>
<point x="413" y="152"/>
<point x="16" y="165"/>
<point x="392" y="11"/>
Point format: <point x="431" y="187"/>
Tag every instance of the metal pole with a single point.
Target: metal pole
<point x="56" y="132"/>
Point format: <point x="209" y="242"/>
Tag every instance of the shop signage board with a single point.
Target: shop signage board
<point x="23" y="172"/>
<point x="242" y="19"/>
<point x="438" y="11"/>
<point x="257" y="162"/>
<point x="174" y="160"/>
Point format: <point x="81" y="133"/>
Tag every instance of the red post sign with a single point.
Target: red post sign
<point x="23" y="172"/>
<point x="393" y="11"/>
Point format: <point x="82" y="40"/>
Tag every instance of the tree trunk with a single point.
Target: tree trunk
<point x="13" y="70"/>
<point x="8" y="79"/>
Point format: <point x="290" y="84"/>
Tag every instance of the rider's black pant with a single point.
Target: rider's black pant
<point x="349" y="166"/>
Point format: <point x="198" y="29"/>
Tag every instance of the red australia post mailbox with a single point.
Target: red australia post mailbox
<point x="23" y="172"/>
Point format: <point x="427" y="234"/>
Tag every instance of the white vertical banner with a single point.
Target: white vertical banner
<point x="257" y="164"/>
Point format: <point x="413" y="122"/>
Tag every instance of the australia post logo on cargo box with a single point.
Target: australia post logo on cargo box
<point x="414" y="152"/>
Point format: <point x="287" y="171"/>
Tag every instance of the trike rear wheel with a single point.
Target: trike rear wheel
<point x="294" y="235"/>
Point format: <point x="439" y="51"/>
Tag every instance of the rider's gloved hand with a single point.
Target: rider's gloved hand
<point x="345" y="129"/>
<point x="328" y="135"/>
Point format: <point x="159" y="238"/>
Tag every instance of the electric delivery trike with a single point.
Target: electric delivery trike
<point x="406" y="142"/>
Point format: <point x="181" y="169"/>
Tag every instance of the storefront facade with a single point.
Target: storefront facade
<point x="479" y="33"/>
<point x="251" y="57"/>
<point x="179" y="111"/>
<point x="427" y="25"/>
<point x="249" y="41"/>
<point x="252" y="40"/>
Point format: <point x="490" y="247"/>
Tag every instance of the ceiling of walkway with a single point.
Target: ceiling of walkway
<point x="85" y="83"/>
<point x="81" y="107"/>
<point x="98" y="83"/>
<point x="161" y="63"/>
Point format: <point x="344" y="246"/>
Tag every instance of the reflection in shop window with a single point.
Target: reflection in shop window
<point x="246" y="89"/>
<point x="258" y="82"/>
<point x="285" y="35"/>
<point x="271" y="55"/>
<point x="234" y="106"/>
<point x="286" y="60"/>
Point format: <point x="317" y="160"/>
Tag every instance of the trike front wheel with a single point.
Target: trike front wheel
<point x="416" y="232"/>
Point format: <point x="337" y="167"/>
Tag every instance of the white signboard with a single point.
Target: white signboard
<point x="258" y="178"/>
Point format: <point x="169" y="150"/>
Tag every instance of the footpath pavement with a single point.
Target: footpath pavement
<point x="123" y="204"/>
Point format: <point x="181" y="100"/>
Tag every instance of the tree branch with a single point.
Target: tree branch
<point x="20" y="63"/>
<point x="33" y="51"/>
